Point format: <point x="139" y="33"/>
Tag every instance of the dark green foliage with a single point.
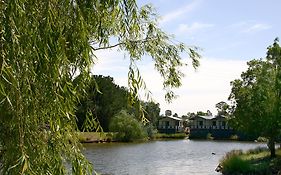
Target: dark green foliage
<point x="128" y="128"/>
<point x="150" y="130"/>
<point x="103" y="103"/>
<point x="222" y="108"/>
<point x="106" y="101"/>
<point x="235" y="165"/>
<point x="151" y="112"/>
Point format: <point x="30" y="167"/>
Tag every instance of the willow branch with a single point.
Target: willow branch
<point x="118" y="44"/>
<point x="108" y="47"/>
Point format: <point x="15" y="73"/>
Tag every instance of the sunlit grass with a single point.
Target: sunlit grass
<point x="169" y="136"/>
<point x="254" y="161"/>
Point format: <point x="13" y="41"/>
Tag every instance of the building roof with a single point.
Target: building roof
<point x="174" y="118"/>
<point x="209" y="117"/>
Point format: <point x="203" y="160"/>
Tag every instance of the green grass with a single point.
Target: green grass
<point x="169" y="136"/>
<point x="108" y="136"/>
<point x="255" y="161"/>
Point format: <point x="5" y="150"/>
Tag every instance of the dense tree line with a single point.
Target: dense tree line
<point x="105" y="99"/>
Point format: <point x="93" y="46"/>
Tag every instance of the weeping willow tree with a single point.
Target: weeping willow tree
<point x="43" y="46"/>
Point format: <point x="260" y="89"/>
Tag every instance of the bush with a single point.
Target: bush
<point x="150" y="130"/>
<point x="127" y="127"/>
<point x="235" y="164"/>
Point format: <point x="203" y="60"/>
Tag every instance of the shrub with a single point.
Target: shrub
<point x="150" y="130"/>
<point x="127" y="127"/>
<point x="233" y="164"/>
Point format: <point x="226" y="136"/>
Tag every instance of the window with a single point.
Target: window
<point x="200" y="123"/>
<point x="214" y="123"/>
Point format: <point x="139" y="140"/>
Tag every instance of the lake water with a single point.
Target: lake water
<point x="174" y="157"/>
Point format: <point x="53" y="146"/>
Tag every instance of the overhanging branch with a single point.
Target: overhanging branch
<point x="118" y="44"/>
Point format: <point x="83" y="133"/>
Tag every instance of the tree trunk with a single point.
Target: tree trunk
<point x="271" y="146"/>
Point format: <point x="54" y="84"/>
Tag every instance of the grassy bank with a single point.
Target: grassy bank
<point x="169" y="136"/>
<point x="88" y="137"/>
<point x="256" y="161"/>
<point x="96" y="137"/>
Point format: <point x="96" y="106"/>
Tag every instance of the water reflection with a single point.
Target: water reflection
<point x="161" y="157"/>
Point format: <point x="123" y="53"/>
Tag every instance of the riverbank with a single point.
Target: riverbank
<point x="169" y="136"/>
<point x="95" y="137"/>
<point x="255" y="161"/>
<point x="104" y="137"/>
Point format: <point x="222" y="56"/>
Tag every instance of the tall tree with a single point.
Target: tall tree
<point x="152" y="112"/>
<point x="256" y="97"/>
<point x="222" y="108"/>
<point x="43" y="45"/>
<point x="201" y="113"/>
<point x="103" y="103"/>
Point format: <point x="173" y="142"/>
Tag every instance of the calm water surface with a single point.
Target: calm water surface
<point x="176" y="157"/>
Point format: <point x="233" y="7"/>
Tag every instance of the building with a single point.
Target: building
<point x="208" y="122"/>
<point x="170" y="123"/>
<point x="215" y="126"/>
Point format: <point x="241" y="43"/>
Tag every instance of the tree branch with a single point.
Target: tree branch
<point x="108" y="47"/>
<point x="118" y="44"/>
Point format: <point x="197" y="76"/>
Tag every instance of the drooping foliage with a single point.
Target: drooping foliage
<point x="43" y="46"/>
<point x="256" y="97"/>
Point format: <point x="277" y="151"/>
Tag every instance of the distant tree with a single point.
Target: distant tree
<point x="168" y="113"/>
<point x="201" y="113"/>
<point x="151" y="112"/>
<point x="256" y="97"/>
<point x="190" y="114"/>
<point x="222" y="108"/>
<point x="104" y="99"/>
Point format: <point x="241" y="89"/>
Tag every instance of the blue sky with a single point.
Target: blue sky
<point x="230" y="33"/>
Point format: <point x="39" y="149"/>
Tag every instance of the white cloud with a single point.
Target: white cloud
<point x="201" y="89"/>
<point x="111" y="62"/>
<point x="194" y="27"/>
<point x="179" y="12"/>
<point x="257" y="28"/>
<point x="250" y="26"/>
